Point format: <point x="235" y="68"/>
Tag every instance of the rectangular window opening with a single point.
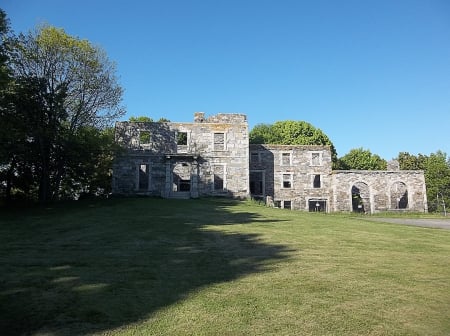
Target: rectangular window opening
<point x="286" y="159"/>
<point x="317" y="205"/>
<point x="182" y="138"/>
<point x="315" y="159"/>
<point x="287" y="205"/>
<point x="143" y="176"/>
<point x="287" y="181"/>
<point x="219" y="141"/>
<point x="316" y="182"/>
<point x="144" y="137"/>
<point x="219" y="173"/>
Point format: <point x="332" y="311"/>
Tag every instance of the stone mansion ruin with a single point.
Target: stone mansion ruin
<point x="212" y="157"/>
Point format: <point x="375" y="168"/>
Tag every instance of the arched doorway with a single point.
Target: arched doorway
<point x="399" y="196"/>
<point x="360" y="197"/>
<point x="181" y="177"/>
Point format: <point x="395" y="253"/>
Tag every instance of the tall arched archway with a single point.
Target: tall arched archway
<point x="399" y="196"/>
<point x="360" y="197"/>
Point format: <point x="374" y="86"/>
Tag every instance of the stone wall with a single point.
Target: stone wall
<point x="383" y="190"/>
<point x="215" y="148"/>
<point x="212" y="156"/>
<point x="290" y="172"/>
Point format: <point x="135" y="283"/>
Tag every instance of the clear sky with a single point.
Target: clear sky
<point x="368" y="73"/>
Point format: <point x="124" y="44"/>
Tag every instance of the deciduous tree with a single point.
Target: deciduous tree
<point x="290" y="132"/>
<point x="64" y="87"/>
<point x="361" y="159"/>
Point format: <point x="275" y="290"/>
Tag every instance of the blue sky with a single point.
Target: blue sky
<point x="368" y="73"/>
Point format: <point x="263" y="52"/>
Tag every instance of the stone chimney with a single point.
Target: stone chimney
<point x="393" y="165"/>
<point x="199" y="117"/>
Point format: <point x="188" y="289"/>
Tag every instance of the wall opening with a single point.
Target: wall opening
<point x="257" y="183"/>
<point x="144" y="137"/>
<point x="182" y="138"/>
<point x="360" y="197"/>
<point x="219" y="176"/>
<point x="144" y="176"/>
<point x="317" y="205"/>
<point x="317" y="182"/>
<point x="181" y="177"/>
<point x="219" y="141"/>
<point x="399" y="196"/>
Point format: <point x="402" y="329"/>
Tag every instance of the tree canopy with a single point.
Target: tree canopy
<point x="290" y="132"/>
<point x="361" y="159"/>
<point x="62" y="97"/>
<point x="436" y="167"/>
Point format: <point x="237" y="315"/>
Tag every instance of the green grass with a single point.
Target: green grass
<point x="147" y="266"/>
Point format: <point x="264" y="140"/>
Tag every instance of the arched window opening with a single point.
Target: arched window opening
<point x="360" y="197"/>
<point x="399" y="196"/>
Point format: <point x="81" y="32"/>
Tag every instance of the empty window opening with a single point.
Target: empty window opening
<point x="287" y="205"/>
<point x="144" y="137"/>
<point x="219" y="141"/>
<point x="317" y="205"/>
<point x="277" y="204"/>
<point x="399" y="196"/>
<point x="316" y="182"/>
<point x="315" y="159"/>
<point x="286" y="159"/>
<point x="287" y="181"/>
<point x="144" y="176"/>
<point x="182" y="138"/>
<point x="360" y="197"/>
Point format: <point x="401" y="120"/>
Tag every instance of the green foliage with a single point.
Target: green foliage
<point x="361" y="159"/>
<point x="140" y="119"/>
<point x="436" y="168"/>
<point x="147" y="119"/>
<point x="411" y="162"/>
<point x="62" y="96"/>
<point x="290" y="132"/>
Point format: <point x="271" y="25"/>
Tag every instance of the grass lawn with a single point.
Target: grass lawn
<point x="147" y="266"/>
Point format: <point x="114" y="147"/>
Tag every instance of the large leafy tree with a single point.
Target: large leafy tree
<point x="65" y="91"/>
<point x="436" y="168"/>
<point x="290" y="132"/>
<point x="361" y="159"/>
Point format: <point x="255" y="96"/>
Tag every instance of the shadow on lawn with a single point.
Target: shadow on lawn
<point x="82" y="270"/>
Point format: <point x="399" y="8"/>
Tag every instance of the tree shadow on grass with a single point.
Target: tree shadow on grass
<point x="96" y="267"/>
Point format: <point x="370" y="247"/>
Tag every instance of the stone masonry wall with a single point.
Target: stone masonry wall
<point x="278" y="162"/>
<point x="215" y="144"/>
<point x="214" y="156"/>
<point x="381" y="189"/>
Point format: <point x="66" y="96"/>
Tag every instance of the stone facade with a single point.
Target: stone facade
<point x="206" y="157"/>
<point x="374" y="191"/>
<point x="212" y="157"/>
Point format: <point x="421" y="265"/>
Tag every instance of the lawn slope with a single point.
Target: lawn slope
<point x="145" y="266"/>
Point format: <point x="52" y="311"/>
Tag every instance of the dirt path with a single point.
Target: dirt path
<point x="424" y="222"/>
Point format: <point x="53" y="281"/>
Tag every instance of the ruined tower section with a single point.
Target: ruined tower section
<point x="291" y="176"/>
<point x="207" y="157"/>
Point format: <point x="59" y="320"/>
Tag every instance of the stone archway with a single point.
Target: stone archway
<point x="399" y="196"/>
<point x="181" y="177"/>
<point x="360" y="197"/>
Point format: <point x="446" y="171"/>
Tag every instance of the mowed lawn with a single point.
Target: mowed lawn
<point x="144" y="266"/>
